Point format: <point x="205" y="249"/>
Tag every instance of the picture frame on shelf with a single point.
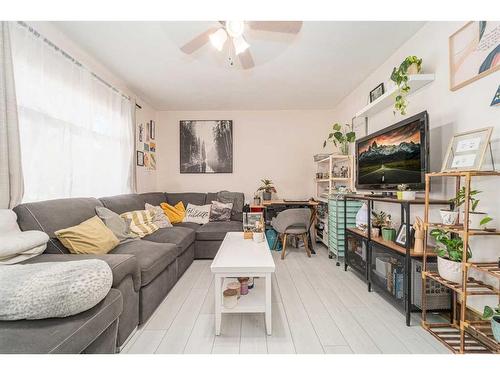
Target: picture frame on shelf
<point x="377" y="92"/>
<point x="140" y="159"/>
<point x="401" y="239"/>
<point x="250" y="218"/>
<point x="466" y="150"/>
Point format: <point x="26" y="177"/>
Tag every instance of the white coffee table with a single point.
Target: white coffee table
<point x="238" y="257"/>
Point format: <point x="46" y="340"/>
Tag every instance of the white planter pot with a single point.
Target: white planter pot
<point x="451" y="271"/>
<point x="474" y="219"/>
<point x="448" y="217"/>
<point x="408" y="195"/>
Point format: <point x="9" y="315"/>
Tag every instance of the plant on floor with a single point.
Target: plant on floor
<point x="341" y="137"/>
<point x="267" y="189"/>
<point x="449" y="247"/>
<point x="493" y="314"/>
<point x="477" y="219"/>
<point x="410" y="65"/>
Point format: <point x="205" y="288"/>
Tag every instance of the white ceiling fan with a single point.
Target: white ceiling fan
<point x="234" y="32"/>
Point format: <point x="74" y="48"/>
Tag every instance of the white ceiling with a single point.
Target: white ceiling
<point x="312" y="70"/>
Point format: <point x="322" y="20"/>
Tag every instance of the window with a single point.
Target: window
<point x="76" y="132"/>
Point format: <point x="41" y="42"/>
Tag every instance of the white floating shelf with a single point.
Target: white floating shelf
<point x="415" y="81"/>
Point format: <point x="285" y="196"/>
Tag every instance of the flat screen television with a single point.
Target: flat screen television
<point x="398" y="154"/>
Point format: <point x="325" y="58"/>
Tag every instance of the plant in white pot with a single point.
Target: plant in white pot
<point x="450" y="253"/>
<point x="477" y="220"/>
<point x="493" y="314"/>
<point x="404" y="193"/>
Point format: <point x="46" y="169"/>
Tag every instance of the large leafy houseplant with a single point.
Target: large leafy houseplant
<point x="450" y="248"/>
<point x="341" y="137"/>
<point x="400" y="76"/>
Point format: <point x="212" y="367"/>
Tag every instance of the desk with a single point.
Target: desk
<point x="273" y="207"/>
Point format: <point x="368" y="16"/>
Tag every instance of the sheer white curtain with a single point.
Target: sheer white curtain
<point x="76" y="132"/>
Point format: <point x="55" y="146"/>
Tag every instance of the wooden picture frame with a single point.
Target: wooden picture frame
<point x="471" y="48"/>
<point x="466" y="150"/>
<point x="377" y="92"/>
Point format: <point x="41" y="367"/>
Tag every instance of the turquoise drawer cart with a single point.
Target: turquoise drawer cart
<point x="337" y="222"/>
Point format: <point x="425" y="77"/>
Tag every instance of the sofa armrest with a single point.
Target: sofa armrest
<point x="122" y="265"/>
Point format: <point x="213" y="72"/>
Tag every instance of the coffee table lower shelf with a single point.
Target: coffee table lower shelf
<point x="253" y="302"/>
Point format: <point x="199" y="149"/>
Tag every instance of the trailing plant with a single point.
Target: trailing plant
<point x="341" y="137"/>
<point x="267" y="186"/>
<point x="380" y="219"/>
<point x="400" y="77"/>
<point x="491" y="312"/>
<point x="473" y="202"/>
<point x="451" y="247"/>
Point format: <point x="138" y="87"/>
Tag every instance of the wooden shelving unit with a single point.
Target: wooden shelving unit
<point x="325" y="187"/>
<point x="462" y="334"/>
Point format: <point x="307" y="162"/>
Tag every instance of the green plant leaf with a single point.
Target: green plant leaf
<point x="336" y="127"/>
<point x="485" y="220"/>
<point x="351" y="137"/>
<point x="324" y="144"/>
<point x="488" y="312"/>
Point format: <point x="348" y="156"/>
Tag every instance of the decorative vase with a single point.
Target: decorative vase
<point x="449" y="270"/>
<point x="258" y="237"/>
<point x="230" y="299"/>
<point x="344" y="148"/>
<point x="389" y="234"/>
<point x="475" y="219"/>
<point x="266" y="195"/>
<point x="413" y="69"/>
<point x="448" y="217"/>
<point x="495" y="327"/>
<point x="362" y="217"/>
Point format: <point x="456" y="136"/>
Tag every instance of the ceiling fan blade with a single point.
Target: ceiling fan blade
<point x="290" y="27"/>
<point x="197" y="42"/>
<point x="246" y="59"/>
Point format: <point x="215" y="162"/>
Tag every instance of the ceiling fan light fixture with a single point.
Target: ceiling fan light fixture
<point x="240" y="45"/>
<point x="235" y="28"/>
<point x="218" y="39"/>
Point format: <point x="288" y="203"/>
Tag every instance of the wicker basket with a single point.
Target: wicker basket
<point x="248" y="235"/>
<point x="438" y="296"/>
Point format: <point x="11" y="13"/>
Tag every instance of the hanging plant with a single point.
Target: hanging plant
<point x="410" y="65"/>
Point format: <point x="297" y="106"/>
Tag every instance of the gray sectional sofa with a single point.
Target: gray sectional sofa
<point x="144" y="271"/>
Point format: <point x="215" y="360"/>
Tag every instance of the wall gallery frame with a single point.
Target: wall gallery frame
<point x="377" y="92"/>
<point x="140" y="158"/>
<point x="466" y="151"/>
<point x="206" y="146"/>
<point x="474" y="52"/>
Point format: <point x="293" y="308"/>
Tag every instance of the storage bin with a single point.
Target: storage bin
<point x="337" y="223"/>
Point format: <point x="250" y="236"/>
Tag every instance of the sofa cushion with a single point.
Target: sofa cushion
<point x="60" y="335"/>
<point x="52" y="215"/>
<point x="193" y="226"/>
<point x="195" y="198"/>
<point x="152" y="257"/>
<point x="123" y="203"/>
<point x="238" y="201"/>
<point x="154" y="199"/>
<point x="180" y="236"/>
<point x="216" y="230"/>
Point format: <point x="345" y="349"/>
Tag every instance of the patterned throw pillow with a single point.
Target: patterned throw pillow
<point x="197" y="214"/>
<point x="159" y="218"/>
<point x="221" y="211"/>
<point x="119" y="226"/>
<point x="141" y="222"/>
<point x="174" y="213"/>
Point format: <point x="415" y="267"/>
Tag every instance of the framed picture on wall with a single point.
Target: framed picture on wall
<point x="140" y="158"/>
<point x="474" y="52"/>
<point x="466" y="151"/>
<point x="206" y="146"/>
<point x="377" y="92"/>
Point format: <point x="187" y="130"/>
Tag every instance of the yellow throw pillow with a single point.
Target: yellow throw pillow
<point x="175" y="213"/>
<point x="141" y="222"/>
<point x="90" y="237"/>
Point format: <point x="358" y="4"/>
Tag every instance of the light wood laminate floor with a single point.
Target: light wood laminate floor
<point x="317" y="308"/>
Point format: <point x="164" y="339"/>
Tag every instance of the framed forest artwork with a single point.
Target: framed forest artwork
<point x="206" y="146"/>
<point x="474" y="52"/>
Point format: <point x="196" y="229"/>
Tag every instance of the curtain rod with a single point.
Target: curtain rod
<point x="75" y="61"/>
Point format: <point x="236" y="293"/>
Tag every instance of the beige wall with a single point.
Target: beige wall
<point x="449" y="113"/>
<point x="267" y="144"/>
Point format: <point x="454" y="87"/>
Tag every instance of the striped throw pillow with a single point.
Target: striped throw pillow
<point x="141" y="222"/>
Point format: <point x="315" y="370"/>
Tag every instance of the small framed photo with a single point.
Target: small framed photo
<point x="141" y="132"/>
<point x="401" y="236"/>
<point x="140" y="158"/>
<point x="466" y="151"/>
<point x="377" y="92"/>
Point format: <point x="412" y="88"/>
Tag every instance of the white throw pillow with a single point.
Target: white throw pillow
<point x="197" y="214"/>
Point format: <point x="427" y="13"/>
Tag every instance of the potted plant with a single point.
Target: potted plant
<point x="404" y="193"/>
<point x="341" y="137"/>
<point x="382" y="222"/>
<point x="494" y="315"/>
<point x="450" y="253"/>
<point x="410" y="65"/>
<point x="267" y="189"/>
<point x="477" y="220"/>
